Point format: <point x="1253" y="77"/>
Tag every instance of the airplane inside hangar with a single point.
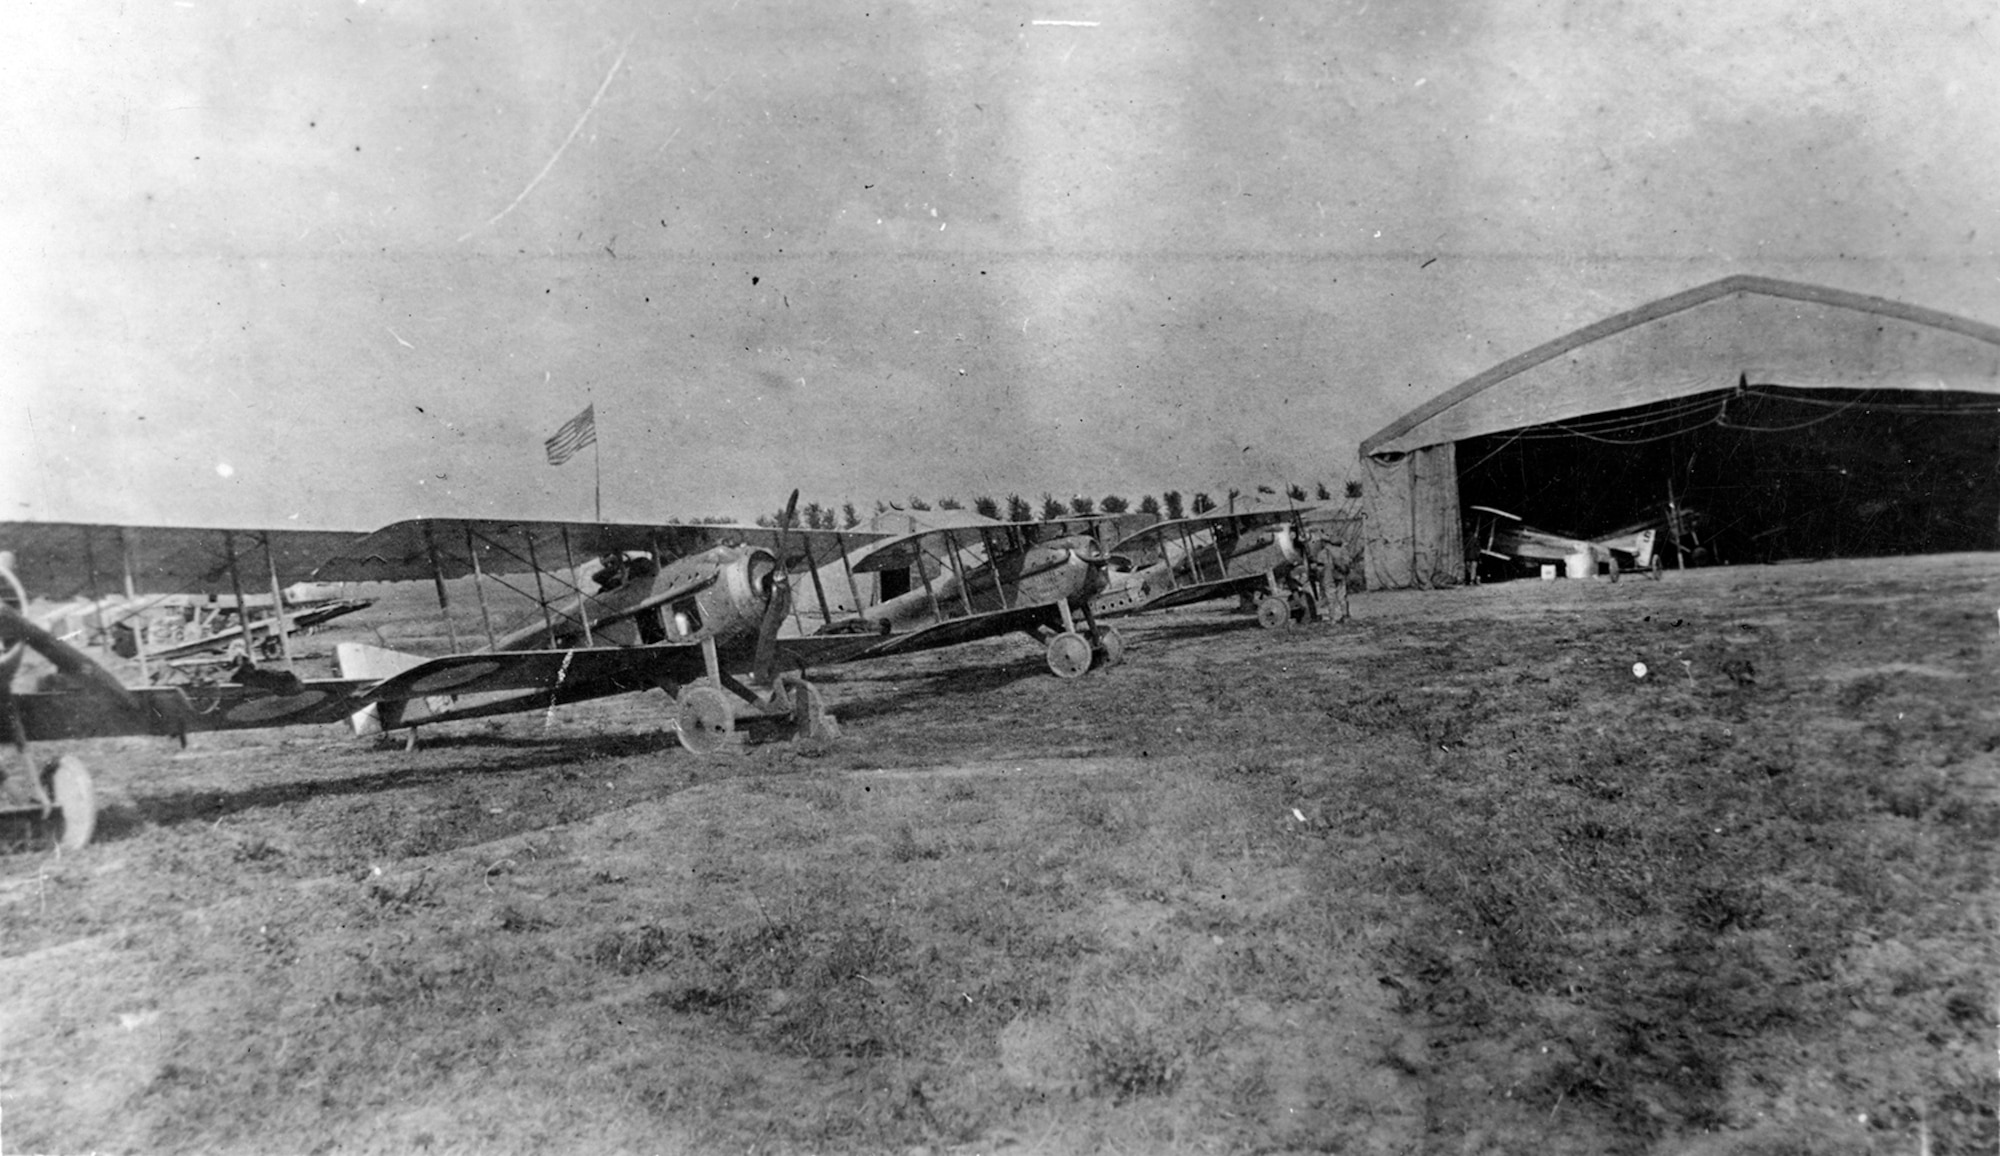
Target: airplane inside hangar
<point x="1749" y="419"/>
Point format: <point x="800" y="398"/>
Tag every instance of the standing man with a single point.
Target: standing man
<point x="1328" y="562"/>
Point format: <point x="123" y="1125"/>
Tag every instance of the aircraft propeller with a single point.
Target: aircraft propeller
<point x="16" y="628"/>
<point x="780" y="602"/>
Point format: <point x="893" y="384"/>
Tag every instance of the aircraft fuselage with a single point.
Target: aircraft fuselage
<point x="1063" y="569"/>
<point x="728" y="590"/>
<point x="1209" y="556"/>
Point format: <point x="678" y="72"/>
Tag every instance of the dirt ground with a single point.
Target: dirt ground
<point x="1702" y="865"/>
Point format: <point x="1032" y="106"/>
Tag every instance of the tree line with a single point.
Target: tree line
<point x="1014" y="508"/>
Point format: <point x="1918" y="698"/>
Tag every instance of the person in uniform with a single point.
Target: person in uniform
<point x="1327" y="563"/>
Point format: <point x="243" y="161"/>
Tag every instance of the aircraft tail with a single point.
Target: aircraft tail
<point x="363" y="661"/>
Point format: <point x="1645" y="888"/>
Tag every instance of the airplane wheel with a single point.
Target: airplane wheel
<point x="808" y="707"/>
<point x="1069" y="654"/>
<point x="69" y="784"/>
<point x="1653" y="571"/>
<point x="1273" y="612"/>
<point x="704" y="718"/>
<point x="1614" y="568"/>
<point x="1110" y="648"/>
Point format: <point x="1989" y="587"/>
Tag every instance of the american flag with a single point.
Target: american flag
<point x="576" y="433"/>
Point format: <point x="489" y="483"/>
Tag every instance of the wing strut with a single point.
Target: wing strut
<point x="541" y="596"/>
<point x="958" y="567"/>
<point x="139" y="635"/>
<point x="236" y="584"/>
<point x="437" y="577"/>
<point x="853" y="587"/>
<point x="993" y="564"/>
<point x="479" y="590"/>
<point x="277" y="607"/>
<point x="583" y="598"/>
<point x="819" y="590"/>
<point x="96" y="599"/>
<point x="937" y="614"/>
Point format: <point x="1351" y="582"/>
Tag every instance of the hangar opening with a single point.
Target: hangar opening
<point x="1750" y="420"/>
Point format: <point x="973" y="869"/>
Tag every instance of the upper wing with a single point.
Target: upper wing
<point x="424" y="548"/>
<point x="977" y="541"/>
<point x="60" y="560"/>
<point x="1242" y="520"/>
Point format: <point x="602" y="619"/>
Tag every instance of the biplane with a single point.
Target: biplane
<point x="1210" y="556"/>
<point x="184" y="628"/>
<point x="693" y="610"/>
<point x="1495" y="536"/>
<point x="698" y="611"/>
<point x="79" y="697"/>
<point x="711" y="626"/>
<point x="691" y="624"/>
<point x="158" y="593"/>
<point x="977" y="579"/>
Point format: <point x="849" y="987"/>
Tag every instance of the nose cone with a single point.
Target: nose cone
<point x="1092" y="551"/>
<point x="762" y="571"/>
<point x="770" y="593"/>
<point x="1088" y="555"/>
<point x="1288" y="543"/>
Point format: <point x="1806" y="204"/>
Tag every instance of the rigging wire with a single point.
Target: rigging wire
<point x="1966" y="409"/>
<point x="1724" y="423"/>
<point x="1714" y="418"/>
<point x="1664" y="412"/>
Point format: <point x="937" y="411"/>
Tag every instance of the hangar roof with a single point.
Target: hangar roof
<point x="1743" y="328"/>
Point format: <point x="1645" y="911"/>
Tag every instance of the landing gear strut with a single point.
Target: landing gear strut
<point x="1073" y="652"/>
<point x="706" y="715"/>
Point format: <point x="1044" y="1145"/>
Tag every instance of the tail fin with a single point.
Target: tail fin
<point x="361" y="660"/>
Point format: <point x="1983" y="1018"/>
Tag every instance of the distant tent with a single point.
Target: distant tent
<point x="1806" y="421"/>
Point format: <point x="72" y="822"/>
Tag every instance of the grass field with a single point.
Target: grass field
<point x="1451" y="878"/>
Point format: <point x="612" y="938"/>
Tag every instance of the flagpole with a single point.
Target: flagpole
<point x="597" y="470"/>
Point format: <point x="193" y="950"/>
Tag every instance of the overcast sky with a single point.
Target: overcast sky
<point x="334" y="264"/>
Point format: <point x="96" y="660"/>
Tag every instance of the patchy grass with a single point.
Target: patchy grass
<point x="1453" y="878"/>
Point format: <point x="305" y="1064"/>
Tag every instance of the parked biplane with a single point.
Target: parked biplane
<point x="178" y="628"/>
<point x="1255" y="554"/>
<point x="1500" y="537"/>
<point x="693" y="610"/>
<point x="982" y="578"/>
<point x="691" y="625"/>
<point x="79" y="697"/>
<point x="157" y="593"/>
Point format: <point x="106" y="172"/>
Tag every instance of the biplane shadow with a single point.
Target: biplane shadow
<point x="930" y="686"/>
<point x="486" y="755"/>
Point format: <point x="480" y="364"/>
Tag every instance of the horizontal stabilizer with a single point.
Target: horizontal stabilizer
<point x="359" y="660"/>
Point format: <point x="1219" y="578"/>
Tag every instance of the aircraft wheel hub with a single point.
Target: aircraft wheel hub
<point x="1273" y="612"/>
<point x="1069" y="654"/>
<point x="704" y="718"/>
